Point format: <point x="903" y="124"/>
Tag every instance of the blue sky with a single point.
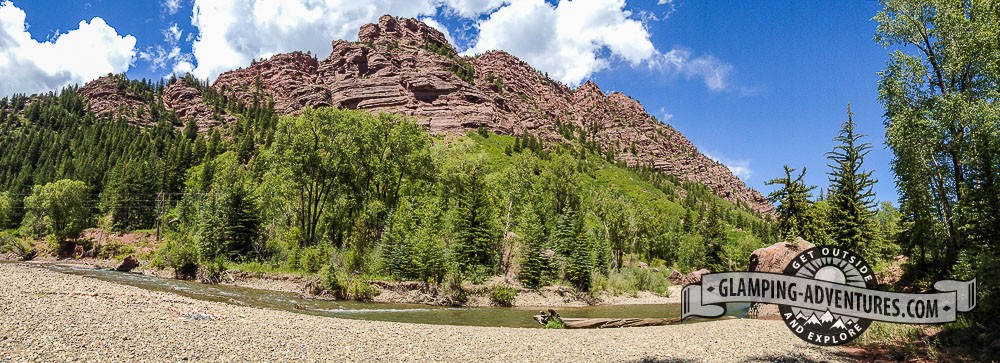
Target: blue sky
<point x="754" y="85"/>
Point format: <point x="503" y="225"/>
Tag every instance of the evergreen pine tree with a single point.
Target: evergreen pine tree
<point x="533" y="263"/>
<point x="476" y="247"/>
<point x="850" y="194"/>
<point x="796" y="217"/>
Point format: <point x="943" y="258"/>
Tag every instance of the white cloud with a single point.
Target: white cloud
<point x="80" y="55"/>
<point x="160" y="57"/>
<point x="567" y="41"/>
<point x="474" y="8"/>
<point x="740" y="168"/>
<point x="712" y="71"/>
<point x="171" y="6"/>
<point x="667" y="116"/>
<point x="233" y="32"/>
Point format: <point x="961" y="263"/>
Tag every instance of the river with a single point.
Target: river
<point x="519" y="317"/>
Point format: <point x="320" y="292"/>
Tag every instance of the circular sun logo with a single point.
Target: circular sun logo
<point x="834" y="265"/>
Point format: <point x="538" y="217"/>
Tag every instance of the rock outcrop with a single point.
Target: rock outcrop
<point x="775" y="257"/>
<point x="109" y="97"/>
<point x="406" y="67"/>
<point x="187" y="103"/>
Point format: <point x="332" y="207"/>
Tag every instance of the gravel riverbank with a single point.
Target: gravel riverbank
<point x="48" y="316"/>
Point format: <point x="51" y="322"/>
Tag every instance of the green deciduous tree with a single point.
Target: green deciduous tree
<point x="58" y="209"/>
<point x="349" y="169"/>
<point x="939" y="92"/>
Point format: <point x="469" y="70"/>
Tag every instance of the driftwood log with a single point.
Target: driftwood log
<point x="601" y="323"/>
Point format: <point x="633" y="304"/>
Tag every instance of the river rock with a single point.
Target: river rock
<point x="128" y="264"/>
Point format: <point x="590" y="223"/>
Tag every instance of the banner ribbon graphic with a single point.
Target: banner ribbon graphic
<point x="708" y="299"/>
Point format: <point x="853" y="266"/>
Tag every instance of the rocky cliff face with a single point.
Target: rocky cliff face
<point x="108" y="97"/>
<point x="406" y="67"/>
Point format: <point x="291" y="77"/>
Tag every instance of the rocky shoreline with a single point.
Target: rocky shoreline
<point x="403" y="292"/>
<point x="51" y="316"/>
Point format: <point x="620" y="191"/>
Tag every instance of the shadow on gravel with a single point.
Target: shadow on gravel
<point x="665" y="360"/>
<point x="800" y="357"/>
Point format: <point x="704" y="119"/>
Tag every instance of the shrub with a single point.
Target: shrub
<point x="182" y="255"/>
<point x="455" y="289"/>
<point x="503" y="295"/>
<point x="555" y="322"/>
<point x="334" y="280"/>
<point x="115" y="250"/>
<point x="20" y="247"/>
<point x="313" y="258"/>
<point x="631" y="280"/>
<point x="361" y="290"/>
<point x="344" y="286"/>
<point x="212" y="270"/>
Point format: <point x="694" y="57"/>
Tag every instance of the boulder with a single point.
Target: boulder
<point x="775" y="257"/>
<point x="693" y="277"/>
<point x="676" y="278"/>
<point x="128" y="264"/>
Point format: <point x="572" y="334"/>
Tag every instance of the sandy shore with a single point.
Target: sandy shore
<point x="48" y="316"/>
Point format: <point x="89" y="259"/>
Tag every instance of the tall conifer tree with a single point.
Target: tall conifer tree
<point x="850" y="195"/>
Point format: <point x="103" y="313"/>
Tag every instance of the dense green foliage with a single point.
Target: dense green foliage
<point x="943" y="125"/>
<point x="57" y="209"/>
<point x="6" y="209"/>
<point x="356" y="195"/>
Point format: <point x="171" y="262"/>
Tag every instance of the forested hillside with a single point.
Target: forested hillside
<point x="355" y="194"/>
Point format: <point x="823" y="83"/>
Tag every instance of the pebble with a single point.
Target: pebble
<point x="38" y="326"/>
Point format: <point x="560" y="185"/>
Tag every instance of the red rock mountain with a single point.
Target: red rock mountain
<point x="406" y="67"/>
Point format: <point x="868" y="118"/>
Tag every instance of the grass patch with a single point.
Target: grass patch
<point x="630" y="280"/>
<point x="897" y="341"/>
<point x="264" y="267"/>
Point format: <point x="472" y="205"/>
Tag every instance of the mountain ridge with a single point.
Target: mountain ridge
<point x="406" y="67"/>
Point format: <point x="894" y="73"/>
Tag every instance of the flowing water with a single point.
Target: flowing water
<point x="407" y="313"/>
